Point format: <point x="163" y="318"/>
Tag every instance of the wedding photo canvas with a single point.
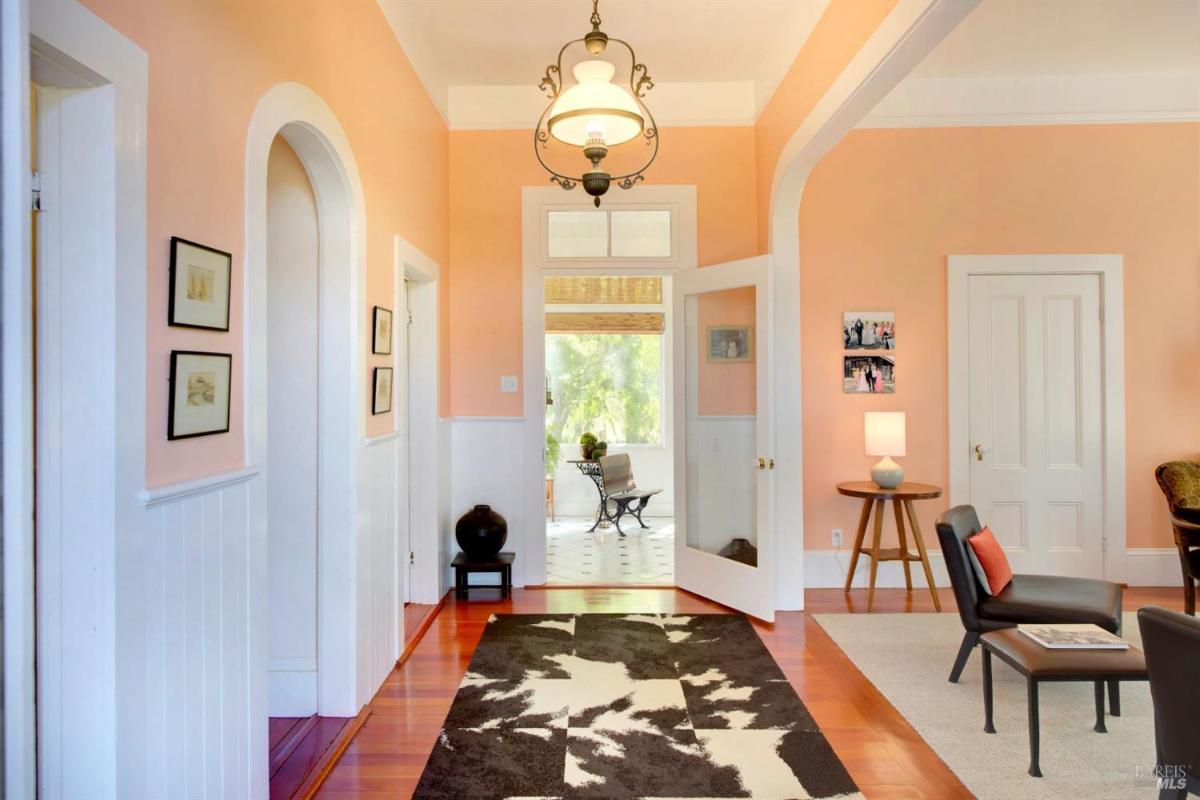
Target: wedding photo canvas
<point x="868" y="374"/>
<point x="730" y="343"/>
<point x="869" y="330"/>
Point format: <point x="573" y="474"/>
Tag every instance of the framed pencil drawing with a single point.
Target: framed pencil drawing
<point x="199" y="286"/>
<point x="381" y="393"/>
<point x="199" y="394"/>
<point x="381" y="324"/>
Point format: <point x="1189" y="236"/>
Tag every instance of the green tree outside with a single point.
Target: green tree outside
<point x="609" y="384"/>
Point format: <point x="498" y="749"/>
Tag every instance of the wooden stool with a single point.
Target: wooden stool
<point x="904" y="494"/>
<point x="464" y="566"/>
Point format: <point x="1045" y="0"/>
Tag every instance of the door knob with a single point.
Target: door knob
<point x="979" y="452"/>
<point x="770" y="463"/>
<point x="762" y="463"/>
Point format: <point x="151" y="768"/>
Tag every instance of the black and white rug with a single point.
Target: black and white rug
<point x="628" y="706"/>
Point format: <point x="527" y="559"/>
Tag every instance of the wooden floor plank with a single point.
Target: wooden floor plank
<point x="882" y="752"/>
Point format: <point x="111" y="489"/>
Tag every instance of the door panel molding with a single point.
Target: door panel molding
<point x="1110" y="270"/>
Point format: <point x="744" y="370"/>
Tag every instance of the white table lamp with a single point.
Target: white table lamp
<point x="884" y="433"/>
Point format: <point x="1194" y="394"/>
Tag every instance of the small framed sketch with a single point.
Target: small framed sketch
<point x="381" y="343"/>
<point x="730" y="344"/>
<point x="199" y="296"/>
<point x="869" y="330"/>
<point x="868" y="374"/>
<point x="199" y="394"/>
<point x="381" y="402"/>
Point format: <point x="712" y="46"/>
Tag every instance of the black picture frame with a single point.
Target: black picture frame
<point x="175" y="317"/>
<point x="174" y="387"/>
<point x="379" y="374"/>
<point x="376" y="316"/>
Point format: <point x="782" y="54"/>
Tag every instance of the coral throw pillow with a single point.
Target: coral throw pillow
<point x="990" y="562"/>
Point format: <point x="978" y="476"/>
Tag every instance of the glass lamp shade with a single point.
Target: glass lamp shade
<point x="884" y="433"/>
<point x="595" y="108"/>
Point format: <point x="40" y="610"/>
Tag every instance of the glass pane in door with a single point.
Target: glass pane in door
<point x="721" y="424"/>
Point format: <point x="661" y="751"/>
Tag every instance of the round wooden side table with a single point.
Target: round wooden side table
<point x="903" y="494"/>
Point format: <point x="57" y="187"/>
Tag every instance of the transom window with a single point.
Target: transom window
<point x="619" y="233"/>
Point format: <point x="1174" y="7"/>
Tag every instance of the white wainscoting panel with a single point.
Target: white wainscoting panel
<point x="378" y="566"/>
<point x="193" y="692"/>
<point x="487" y="465"/>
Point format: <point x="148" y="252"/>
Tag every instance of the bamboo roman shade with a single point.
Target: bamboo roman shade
<point x="604" y="322"/>
<point x="585" y="290"/>
<point x="598" y="290"/>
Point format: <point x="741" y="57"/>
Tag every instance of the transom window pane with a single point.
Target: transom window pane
<point x="577" y="234"/>
<point x="641" y="234"/>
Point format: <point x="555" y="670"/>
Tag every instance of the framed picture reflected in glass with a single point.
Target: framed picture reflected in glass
<point x="730" y="343"/>
<point x="199" y="394"/>
<point x="199" y="286"/>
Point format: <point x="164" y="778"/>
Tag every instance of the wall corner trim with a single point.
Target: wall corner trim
<point x="161" y="495"/>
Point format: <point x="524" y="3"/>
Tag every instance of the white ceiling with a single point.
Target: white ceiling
<point x="1070" y="37"/>
<point x="1026" y="62"/>
<point x="717" y="62"/>
<point x="469" y="43"/>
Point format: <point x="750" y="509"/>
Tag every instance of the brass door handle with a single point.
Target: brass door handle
<point x="979" y="452"/>
<point x="770" y="463"/>
<point x="762" y="463"/>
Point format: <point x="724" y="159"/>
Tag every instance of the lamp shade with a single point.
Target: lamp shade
<point x="595" y="108"/>
<point x="884" y="433"/>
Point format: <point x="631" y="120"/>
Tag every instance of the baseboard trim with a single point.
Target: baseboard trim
<point x="316" y="777"/>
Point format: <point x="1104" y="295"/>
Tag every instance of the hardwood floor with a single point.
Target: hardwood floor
<point x="884" y="755"/>
<point x="298" y="747"/>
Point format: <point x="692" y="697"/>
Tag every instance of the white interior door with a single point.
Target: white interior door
<point x="724" y="544"/>
<point x="1035" y="419"/>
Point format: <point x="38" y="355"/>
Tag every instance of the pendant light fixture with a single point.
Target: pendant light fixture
<point x="596" y="114"/>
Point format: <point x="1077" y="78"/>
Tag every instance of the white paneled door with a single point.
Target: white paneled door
<point x="1036" y="435"/>
<point x="724" y="543"/>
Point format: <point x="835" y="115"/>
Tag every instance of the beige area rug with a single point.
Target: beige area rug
<point x="908" y="658"/>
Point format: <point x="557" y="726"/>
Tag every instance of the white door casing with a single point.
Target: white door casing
<point x="1035" y="426"/>
<point x="714" y="470"/>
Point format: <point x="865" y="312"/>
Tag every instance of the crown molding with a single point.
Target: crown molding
<point x="1038" y="100"/>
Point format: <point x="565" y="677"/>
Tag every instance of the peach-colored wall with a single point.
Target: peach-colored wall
<point x="840" y="33"/>
<point x="883" y="210"/>
<point x="726" y="388"/>
<point x="210" y="61"/>
<point x="487" y="171"/>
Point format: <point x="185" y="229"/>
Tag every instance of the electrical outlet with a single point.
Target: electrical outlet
<point x="508" y="383"/>
<point x="835" y="537"/>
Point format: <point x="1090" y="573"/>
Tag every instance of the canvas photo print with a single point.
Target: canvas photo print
<point x="199" y="291"/>
<point x="730" y="343"/>
<point x="868" y="374"/>
<point x="869" y="330"/>
<point x="199" y="392"/>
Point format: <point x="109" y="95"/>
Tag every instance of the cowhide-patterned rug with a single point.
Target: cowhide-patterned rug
<point x="628" y="706"/>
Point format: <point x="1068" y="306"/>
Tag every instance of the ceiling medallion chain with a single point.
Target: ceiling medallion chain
<point x="596" y="114"/>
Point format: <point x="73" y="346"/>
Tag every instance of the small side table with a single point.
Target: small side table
<point x="903" y="494"/>
<point x="464" y="566"/>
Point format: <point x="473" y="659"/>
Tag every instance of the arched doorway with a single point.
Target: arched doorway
<point x="291" y="116"/>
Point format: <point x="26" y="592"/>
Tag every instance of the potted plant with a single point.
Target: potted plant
<point x="553" y="454"/>
<point x="599" y="451"/>
<point x="586" y="443"/>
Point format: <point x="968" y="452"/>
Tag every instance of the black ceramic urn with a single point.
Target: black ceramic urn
<point x="481" y="532"/>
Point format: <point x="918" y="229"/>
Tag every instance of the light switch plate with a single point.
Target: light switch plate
<point x="508" y="383"/>
<point x="835" y="537"/>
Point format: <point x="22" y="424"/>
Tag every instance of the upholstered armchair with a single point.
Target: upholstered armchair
<point x="1045" y="599"/>
<point x="1180" y="482"/>
<point x="1171" y="642"/>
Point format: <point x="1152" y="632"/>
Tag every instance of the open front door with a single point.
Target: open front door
<point x="724" y="535"/>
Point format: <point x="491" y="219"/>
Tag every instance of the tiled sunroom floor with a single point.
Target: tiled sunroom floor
<point x="643" y="557"/>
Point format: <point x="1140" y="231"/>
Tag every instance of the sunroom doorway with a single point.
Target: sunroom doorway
<point x="609" y="454"/>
